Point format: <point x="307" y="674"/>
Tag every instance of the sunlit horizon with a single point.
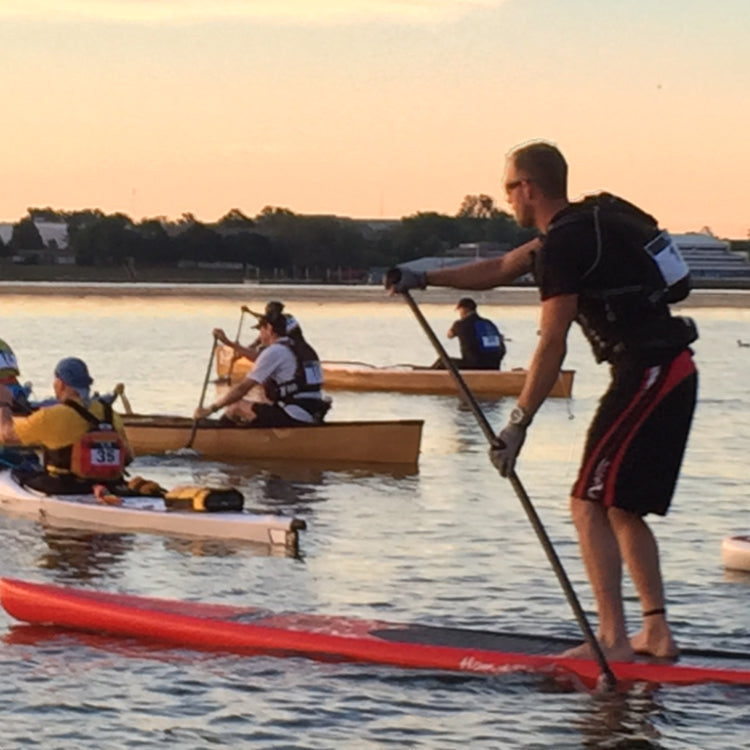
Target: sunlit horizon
<point x="370" y="108"/>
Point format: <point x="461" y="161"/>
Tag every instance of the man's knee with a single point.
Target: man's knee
<point x="624" y="519"/>
<point x="241" y="410"/>
<point x="585" y="512"/>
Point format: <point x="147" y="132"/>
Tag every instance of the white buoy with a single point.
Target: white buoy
<point x="735" y="552"/>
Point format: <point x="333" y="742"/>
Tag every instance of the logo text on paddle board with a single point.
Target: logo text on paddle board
<point x="470" y="664"/>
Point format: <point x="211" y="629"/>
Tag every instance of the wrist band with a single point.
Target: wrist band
<point x="652" y="612"/>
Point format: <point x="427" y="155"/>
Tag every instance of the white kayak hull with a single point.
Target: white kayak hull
<point x="145" y="514"/>
<point x="735" y="552"/>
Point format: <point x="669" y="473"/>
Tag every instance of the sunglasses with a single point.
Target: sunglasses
<point x="511" y="186"/>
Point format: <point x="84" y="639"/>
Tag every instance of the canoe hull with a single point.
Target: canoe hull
<point x="248" y="630"/>
<point x="146" y="514"/>
<point x="394" y="442"/>
<point x="486" y="383"/>
<point x="406" y="379"/>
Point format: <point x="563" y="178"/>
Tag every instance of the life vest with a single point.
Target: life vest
<point x="305" y="388"/>
<point x="99" y="454"/>
<point x="633" y="315"/>
<point x="8" y="362"/>
<point x="308" y="377"/>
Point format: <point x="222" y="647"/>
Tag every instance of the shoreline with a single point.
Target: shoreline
<point x="508" y="296"/>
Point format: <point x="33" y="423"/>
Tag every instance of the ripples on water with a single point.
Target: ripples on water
<point x="448" y="544"/>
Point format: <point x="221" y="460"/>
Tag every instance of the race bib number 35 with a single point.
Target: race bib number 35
<point x="106" y="453"/>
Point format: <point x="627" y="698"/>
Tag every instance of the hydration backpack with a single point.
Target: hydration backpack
<point x="657" y="243"/>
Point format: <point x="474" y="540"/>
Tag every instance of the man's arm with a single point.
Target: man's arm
<point x="250" y="352"/>
<point x="483" y="274"/>
<point x="236" y="393"/>
<point x="486" y="274"/>
<point x="557" y="315"/>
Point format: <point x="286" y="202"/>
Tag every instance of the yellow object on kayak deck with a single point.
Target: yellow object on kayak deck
<point x="211" y="499"/>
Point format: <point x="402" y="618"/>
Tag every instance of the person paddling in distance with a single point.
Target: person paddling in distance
<point x="591" y="268"/>
<point x="482" y="344"/>
<point x="83" y="440"/>
<point x="273" y="309"/>
<point x="292" y="384"/>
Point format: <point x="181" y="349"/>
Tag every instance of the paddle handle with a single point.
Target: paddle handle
<point x="528" y="506"/>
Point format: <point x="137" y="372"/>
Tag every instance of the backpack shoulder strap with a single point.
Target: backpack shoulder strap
<point x="83" y="411"/>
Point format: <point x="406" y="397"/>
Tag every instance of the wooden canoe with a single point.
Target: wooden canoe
<point x="405" y="378"/>
<point x="393" y="442"/>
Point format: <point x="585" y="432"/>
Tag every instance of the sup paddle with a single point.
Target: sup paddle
<point x="194" y="429"/>
<point x="528" y="506"/>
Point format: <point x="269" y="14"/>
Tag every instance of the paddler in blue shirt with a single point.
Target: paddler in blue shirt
<point x="482" y="344"/>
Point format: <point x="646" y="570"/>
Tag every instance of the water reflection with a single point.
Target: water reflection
<point x="226" y="548"/>
<point x="83" y="556"/>
<point x="621" y="721"/>
<point x="737" y="576"/>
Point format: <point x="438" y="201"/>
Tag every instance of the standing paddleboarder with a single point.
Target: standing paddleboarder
<point x="606" y="265"/>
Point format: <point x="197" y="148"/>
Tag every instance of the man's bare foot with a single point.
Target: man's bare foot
<point x="655" y="641"/>
<point x="620" y="652"/>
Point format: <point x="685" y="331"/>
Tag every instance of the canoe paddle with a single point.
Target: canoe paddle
<point x="528" y="506"/>
<point x="194" y="430"/>
<point x="244" y="309"/>
<point x="119" y="390"/>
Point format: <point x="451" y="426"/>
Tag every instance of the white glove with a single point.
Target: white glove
<point x="504" y="458"/>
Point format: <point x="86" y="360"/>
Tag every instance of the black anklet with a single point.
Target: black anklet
<point x="651" y="612"/>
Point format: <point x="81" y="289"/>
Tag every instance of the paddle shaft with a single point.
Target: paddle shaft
<point x="120" y="391"/>
<point x="243" y="310"/>
<point x="528" y="506"/>
<point x="194" y="429"/>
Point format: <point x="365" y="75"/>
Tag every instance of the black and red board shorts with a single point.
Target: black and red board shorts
<point x="636" y="441"/>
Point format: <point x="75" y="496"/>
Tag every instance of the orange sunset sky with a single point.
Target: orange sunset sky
<point x="371" y="108"/>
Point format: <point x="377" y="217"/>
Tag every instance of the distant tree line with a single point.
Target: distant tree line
<point x="276" y="241"/>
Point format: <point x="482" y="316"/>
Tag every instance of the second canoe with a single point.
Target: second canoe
<point x="355" y="376"/>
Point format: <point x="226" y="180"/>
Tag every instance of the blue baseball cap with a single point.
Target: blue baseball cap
<point x="73" y="372"/>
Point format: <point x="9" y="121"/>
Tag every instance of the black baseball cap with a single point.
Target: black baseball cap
<point x="467" y="303"/>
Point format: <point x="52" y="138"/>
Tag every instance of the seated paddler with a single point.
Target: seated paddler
<point x="291" y="377"/>
<point x="13" y="457"/>
<point x="9" y="374"/>
<point x="82" y="439"/>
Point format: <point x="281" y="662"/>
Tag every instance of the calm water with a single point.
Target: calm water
<point x="446" y="545"/>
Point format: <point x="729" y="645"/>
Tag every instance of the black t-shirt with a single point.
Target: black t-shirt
<point x="482" y="345"/>
<point x="618" y="286"/>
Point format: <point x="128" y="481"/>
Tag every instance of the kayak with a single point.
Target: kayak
<point x="735" y="552"/>
<point x="394" y="442"/>
<point x="249" y="630"/>
<point x="353" y="376"/>
<point x="145" y="514"/>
